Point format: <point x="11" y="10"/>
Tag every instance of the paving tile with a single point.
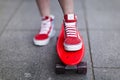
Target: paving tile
<point x="28" y="16"/>
<point x="103" y="5"/>
<point x="103" y="14"/>
<point x="105" y="48"/>
<point x="67" y="76"/>
<point x="107" y="74"/>
<point x="20" y="59"/>
<point x="7" y="9"/>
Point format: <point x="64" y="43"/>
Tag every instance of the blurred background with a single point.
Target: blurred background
<point x="99" y="25"/>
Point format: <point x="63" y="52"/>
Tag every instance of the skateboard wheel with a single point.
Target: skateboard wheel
<point x="60" y="69"/>
<point x="82" y="68"/>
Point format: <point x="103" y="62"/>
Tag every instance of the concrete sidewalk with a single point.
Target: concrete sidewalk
<point x="21" y="60"/>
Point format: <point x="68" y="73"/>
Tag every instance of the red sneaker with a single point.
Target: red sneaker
<point x="72" y="37"/>
<point x="46" y="31"/>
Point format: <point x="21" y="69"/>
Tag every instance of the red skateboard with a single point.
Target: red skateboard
<point x="70" y="60"/>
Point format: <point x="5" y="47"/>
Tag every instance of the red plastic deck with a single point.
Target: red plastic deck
<point x="68" y="57"/>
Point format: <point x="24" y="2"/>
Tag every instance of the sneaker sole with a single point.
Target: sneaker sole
<point x="43" y="42"/>
<point x="73" y="47"/>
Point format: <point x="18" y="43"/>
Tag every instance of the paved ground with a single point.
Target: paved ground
<point x="21" y="60"/>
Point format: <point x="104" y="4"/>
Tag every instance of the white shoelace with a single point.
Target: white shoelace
<point x="45" y="26"/>
<point x="71" y="29"/>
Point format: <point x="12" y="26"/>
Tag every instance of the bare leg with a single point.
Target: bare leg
<point x="44" y="7"/>
<point x="67" y="6"/>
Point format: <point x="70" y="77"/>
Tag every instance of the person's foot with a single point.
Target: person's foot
<point x="46" y="31"/>
<point x="72" y="40"/>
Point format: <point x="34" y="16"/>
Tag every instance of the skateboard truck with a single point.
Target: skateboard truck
<point x="80" y="68"/>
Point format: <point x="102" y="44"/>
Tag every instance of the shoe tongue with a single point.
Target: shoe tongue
<point x="70" y="18"/>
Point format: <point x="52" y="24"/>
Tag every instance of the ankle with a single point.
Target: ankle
<point x="51" y="17"/>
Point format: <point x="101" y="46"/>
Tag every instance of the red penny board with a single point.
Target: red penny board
<point x="68" y="57"/>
